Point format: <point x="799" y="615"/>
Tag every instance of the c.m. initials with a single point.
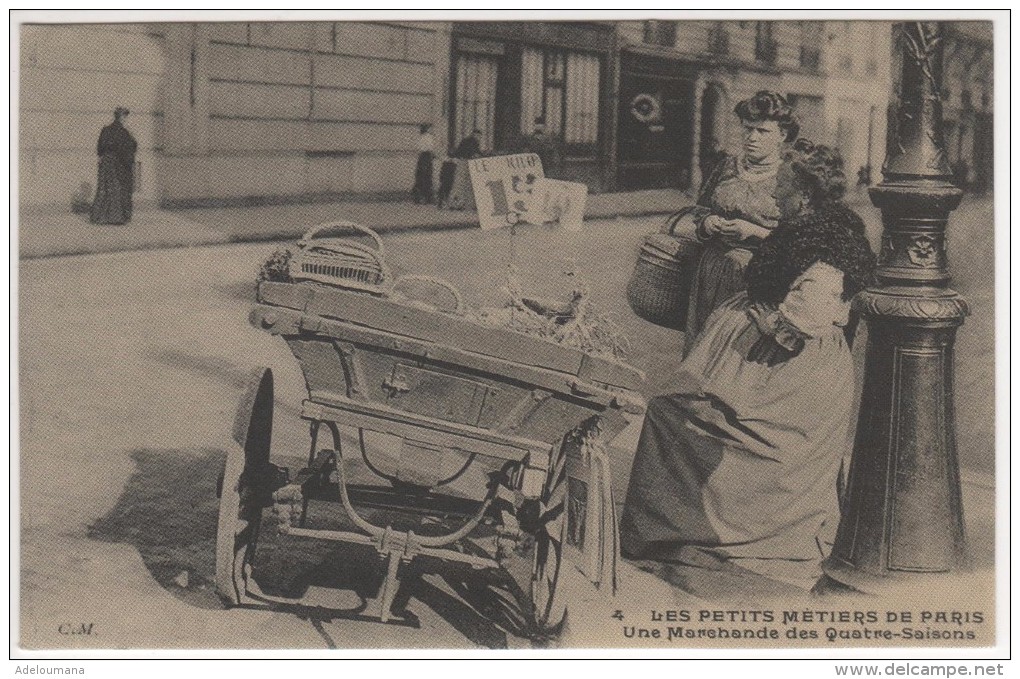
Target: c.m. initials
<point x="76" y="628"/>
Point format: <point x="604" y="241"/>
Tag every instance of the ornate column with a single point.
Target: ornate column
<point x="902" y="514"/>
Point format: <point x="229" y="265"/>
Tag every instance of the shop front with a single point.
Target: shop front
<point x="535" y="86"/>
<point x="655" y="133"/>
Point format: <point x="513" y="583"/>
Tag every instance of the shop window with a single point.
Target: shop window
<point x="871" y="65"/>
<point x="764" y="43"/>
<point x="475" y="98"/>
<point x="811" y="44"/>
<point x="662" y="33"/>
<point x="718" y="38"/>
<point x="554" y="83"/>
<point x="562" y="89"/>
<point x="846" y="60"/>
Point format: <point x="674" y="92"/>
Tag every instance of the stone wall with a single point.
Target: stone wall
<point x="72" y="77"/>
<point x="233" y="112"/>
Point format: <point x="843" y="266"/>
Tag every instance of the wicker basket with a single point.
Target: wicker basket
<point x="659" y="289"/>
<point x="342" y="262"/>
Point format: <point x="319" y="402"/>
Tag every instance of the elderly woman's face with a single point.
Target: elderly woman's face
<point x="790" y="199"/>
<point x="762" y="138"/>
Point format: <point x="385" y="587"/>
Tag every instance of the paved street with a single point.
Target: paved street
<point x="130" y="368"/>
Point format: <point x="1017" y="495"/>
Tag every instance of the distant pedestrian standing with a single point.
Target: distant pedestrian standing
<point x="470" y="146"/>
<point x="455" y="179"/>
<point x="115" y="183"/>
<point x="422" y="192"/>
<point x="547" y="147"/>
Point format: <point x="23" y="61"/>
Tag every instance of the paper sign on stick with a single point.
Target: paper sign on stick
<point x="505" y="189"/>
<point x="563" y="202"/>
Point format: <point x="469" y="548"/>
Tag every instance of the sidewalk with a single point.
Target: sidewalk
<point x="49" y="234"/>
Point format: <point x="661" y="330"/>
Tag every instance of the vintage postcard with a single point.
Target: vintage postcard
<point x="596" y="332"/>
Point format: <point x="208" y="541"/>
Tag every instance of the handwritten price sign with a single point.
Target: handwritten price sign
<point x="562" y="202"/>
<point x="506" y="189"/>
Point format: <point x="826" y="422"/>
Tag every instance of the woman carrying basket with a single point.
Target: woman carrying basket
<point x="736" y="209"/>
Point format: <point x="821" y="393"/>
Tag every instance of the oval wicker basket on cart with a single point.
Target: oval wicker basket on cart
<point x="341" y="260"/>
<point x="659" y="289"/>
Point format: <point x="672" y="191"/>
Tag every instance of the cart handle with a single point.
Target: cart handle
<point x="457" y="298"/>
<point x="349" y="226"/>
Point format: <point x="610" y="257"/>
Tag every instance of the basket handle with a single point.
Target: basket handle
<point x="674" y="219"/>
<point x="458" y="300"/>
<point x="316" y="230"/>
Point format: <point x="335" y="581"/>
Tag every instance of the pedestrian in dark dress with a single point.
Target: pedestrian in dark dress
<point x="470" y="146"/>
<point x="546" y="147"/>
<point x="422" y="191"/>
<point x="116" y="175"/>
<point x="454" y="178"/>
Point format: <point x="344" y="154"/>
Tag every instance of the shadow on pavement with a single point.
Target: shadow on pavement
<point x="168" y="513"/>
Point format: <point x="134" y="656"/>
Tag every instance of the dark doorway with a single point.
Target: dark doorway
<point x="656" y="125"/>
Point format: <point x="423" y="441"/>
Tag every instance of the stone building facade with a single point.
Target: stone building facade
<point x="968" y="102"/>
<point x="243" y="113"/>
<point x="232" y="112"/>
<point x="836" y="75"/>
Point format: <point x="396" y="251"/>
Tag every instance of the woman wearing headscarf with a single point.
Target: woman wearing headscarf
<point x="741" y="462"/>
<point x="115" y="182"/>
<point x="736" y="209"/>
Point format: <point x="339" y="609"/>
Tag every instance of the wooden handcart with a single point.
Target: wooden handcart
<point x="528" y="418"/>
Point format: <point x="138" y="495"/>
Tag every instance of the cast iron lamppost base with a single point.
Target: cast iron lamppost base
<point x="902" y="519"/>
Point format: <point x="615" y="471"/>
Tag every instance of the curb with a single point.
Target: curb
<point x="288" y="234"/>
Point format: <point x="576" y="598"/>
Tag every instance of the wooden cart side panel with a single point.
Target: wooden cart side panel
<point x="446" y="329"/>
<point x="284" y="294"/>
<point x="443" y="328"/>
<point x="321" y="365"/>
<point x="287" y="322"/>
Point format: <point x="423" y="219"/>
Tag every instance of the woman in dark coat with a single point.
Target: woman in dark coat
<point x="455" y="192"/>
<point x="741" y="462"/>
<point x="422" y="191"/>
<point x="115" y="183"/>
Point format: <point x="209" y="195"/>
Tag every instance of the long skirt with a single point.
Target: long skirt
<point x="422" y="191"/>
<point x="112" y="203"/>
<point x="461" y="195"/>
<point x="719" y="276"/>
<point x="743" y="460"/>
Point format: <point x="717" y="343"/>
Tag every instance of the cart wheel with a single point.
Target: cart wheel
<point x="548" y="605"/>
<point x="245" y="489"/>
